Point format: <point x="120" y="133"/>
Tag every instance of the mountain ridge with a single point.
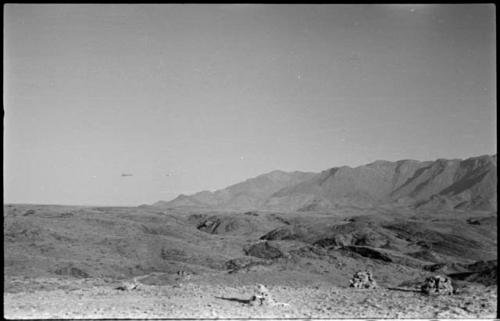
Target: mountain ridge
<point x="441" y="184"/>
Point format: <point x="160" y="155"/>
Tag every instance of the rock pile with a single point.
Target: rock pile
<point x="261" y="296"/>
<point x="437" y="285"/>
<point x="130" y="285"/>
<point x="127" y="286"/>
<point x="363" y="280"/>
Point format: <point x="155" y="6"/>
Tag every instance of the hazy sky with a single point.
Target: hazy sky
<point x="197" y="97"/>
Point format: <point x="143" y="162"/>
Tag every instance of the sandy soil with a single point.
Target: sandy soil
<point x="198" y="298"/>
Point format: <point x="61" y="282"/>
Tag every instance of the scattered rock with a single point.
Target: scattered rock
<point x="363" y="280"/>
<point x="437" y="285"/>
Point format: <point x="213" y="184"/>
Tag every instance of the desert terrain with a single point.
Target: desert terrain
<point x="250" y="161"/>
<point x="300" y="235"/>
<point x="79" y="262"/>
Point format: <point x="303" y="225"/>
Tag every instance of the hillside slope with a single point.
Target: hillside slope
<point x="141" y="262"/>
<point x="440" y="184"/>
<point x="249" y="194"/>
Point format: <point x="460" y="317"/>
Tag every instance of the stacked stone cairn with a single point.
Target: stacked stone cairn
<point x="127" y="286"/>
<point x="261" y="296"/>
<point x="130" y="285"/>
<point x="437" y="285"/>
<point x="363" y="280"/>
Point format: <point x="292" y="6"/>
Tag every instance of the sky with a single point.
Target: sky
<point x="197" y="97"/>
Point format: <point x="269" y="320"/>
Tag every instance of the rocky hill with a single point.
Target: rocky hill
<point x="142" y="262"/>
<point x="250" y="194"/>
<point x="440" y="184"/>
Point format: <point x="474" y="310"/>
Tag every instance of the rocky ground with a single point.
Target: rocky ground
<point x="105" y="262"/>
<point x="203" y="299"/>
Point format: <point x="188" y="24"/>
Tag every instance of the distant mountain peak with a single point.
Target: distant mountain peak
<point x="448" y="183"/>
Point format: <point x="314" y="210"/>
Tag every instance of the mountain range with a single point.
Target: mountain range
<point x="441" y="184"/>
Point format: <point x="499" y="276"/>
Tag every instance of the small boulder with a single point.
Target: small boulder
<point x="437" y="285"/>
<point x="363" y="280"/>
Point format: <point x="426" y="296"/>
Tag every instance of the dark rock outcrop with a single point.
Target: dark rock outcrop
<point x="367" y="252"/>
